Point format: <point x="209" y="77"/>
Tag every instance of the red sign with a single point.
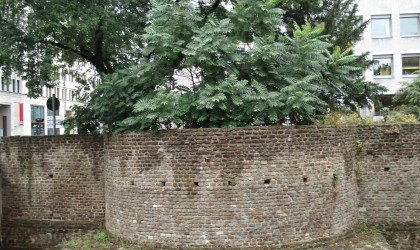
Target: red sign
<point x="21" y="114"/>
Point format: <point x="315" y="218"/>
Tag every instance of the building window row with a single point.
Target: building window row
<point x="382" y="28"/>
<point x="66" y="77"/>
<point x="60" y="93"/>
<point x="12" y="85"/>
<point x="384" y="67"/>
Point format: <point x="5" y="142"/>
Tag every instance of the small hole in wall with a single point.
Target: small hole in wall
<point x="267" y="181"/>
<point x="230" y="183"/>
<point x="387" y="169"/>
<point x="50" y="175"/>
<point x="196" y="183"/>
<point x="305" y="179"/>
<point x="163" y="183"/>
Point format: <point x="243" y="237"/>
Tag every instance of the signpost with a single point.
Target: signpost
<point x="53" y="104"/>
<point x="58" y="119"/>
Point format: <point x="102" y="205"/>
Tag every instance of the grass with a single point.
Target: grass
<point x="370" y="232"/>
<point x="98" y="240"/>
<point x="365" y="233"/>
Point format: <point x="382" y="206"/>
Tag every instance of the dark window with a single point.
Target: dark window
<point x="37" y="127"/>
<point x="51" y="131"/>
<point x="410" y="64"/>
<point x="50" y="112"/>
<point x="37" y="112"/>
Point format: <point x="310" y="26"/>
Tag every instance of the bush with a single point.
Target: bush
<point x="343" y="118"/>
<point x="340" y="118"/>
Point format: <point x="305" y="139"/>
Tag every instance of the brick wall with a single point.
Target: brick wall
<point x="212" y="187"/>
<point x="51" y="185"/>
<point x="390" y="162"/>
<point x="236" y="187"/>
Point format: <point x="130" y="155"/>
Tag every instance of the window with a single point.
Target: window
<point x="37" y="112"/>
<point x="72" y="95"/>
<point x="409" y="24"/>
<point x="14" y="85"/>
<point x="3" y="84"/>
<point x="18" y="86"/>
<point x="57" y="92"/>
<point x="410" y="64"/>
<point x="68" y="113"/>
<point x="50" y="112"/>
<point x="383" y="67"/>
<point x="51" y="131"/>
<point x="381" y="26"/>
<point x="37" y="127"/>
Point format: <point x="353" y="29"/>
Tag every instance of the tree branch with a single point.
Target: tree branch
<point x="64" y="47"/>
<point x="98" y="47"/>
<point x="214" y="6"/>
<point x="97" y="62"/>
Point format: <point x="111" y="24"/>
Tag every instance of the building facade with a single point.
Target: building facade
<point x="393" y="39"/>
<point x="21" y="115"/>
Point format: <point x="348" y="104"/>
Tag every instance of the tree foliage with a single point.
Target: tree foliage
<point x="409" y="97"/>
<point x="39" y="38"/>
<point x="243" y="69"/>
<point x="279" y="79"/>
<point x="342" y="22"/>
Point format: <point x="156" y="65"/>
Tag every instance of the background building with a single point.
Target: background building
<point x="393" y="39"/>
<point x="18" y="112"/>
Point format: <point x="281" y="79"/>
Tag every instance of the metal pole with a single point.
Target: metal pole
<point x="53" y="106"/>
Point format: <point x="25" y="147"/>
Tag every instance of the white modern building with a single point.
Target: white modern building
<point x="393" y="39"/>
<point x="21" y="115"/>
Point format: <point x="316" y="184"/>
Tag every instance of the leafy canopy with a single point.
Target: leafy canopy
<point x="40" y="38"/>
<point x="250" y="74"/>
<point x="409" y="97"/>
<point x="243" y="70"/>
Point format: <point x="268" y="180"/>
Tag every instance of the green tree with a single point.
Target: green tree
<point x="342" y="23"/>
<point x="344" y="28"/>
<point x="39" y="38"/>
<point x="279" y="79"/>
<point x="246" y="71"/>
<point x="408" y="97"/>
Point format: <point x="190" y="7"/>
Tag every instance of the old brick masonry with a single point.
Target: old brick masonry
<point x="210" y="187"/>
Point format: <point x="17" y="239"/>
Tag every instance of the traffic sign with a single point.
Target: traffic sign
<point x="50" y="104"/>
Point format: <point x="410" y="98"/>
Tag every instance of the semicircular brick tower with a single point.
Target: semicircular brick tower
<point x="231" y="187"/>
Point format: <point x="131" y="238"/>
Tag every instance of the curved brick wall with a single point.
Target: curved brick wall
<point x="52" y="185"/>
<point x="235" y="187"/>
